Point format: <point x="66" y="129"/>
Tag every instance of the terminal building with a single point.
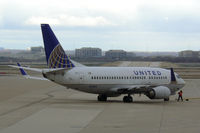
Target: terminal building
<point x="130" y="54"/>
<point x="86" y="52"/>
<point x="116" y="54"/>
<point x="39" y="49"/>
<point x="189" y="53"/>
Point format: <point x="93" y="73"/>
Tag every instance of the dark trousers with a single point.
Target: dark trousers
<point x="180" y="97"/>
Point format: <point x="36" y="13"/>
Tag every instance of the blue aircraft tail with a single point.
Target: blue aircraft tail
<point x="55" y="55"/>
<point x="173" y="78"/>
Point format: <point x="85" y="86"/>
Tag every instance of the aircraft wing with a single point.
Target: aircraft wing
<point x="32" y="77"/>
<point x="132" y="89"/>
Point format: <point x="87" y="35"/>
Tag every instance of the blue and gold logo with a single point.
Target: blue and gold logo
<point x="58" y="59"/>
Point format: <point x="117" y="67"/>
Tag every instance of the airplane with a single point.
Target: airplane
<point x="155" y="83"/>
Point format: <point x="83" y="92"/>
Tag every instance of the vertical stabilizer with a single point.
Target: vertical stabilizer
<point x="173" y="78"/>
<point x="55" y="55"/>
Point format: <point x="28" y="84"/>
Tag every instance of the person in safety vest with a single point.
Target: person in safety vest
<point x="180" y="95"/>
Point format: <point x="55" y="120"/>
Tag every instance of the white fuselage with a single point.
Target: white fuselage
<point x="107" y="80"/>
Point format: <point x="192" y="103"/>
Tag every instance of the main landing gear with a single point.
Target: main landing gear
<point x="128" y="99"/>
<point x="102" y="98"/>
<point x="166" y="99"/>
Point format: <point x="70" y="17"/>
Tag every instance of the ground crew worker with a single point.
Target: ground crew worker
<point x="180" y="95"/>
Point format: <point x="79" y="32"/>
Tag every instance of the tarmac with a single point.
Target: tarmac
<point x="32" y="106"/>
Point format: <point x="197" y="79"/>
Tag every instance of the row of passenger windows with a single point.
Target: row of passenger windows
<point x="127" y="77"/>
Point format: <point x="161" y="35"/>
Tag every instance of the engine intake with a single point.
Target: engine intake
<point x="160" y="92"/>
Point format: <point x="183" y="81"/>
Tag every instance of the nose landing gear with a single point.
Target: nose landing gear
<point x="166" y="99"/>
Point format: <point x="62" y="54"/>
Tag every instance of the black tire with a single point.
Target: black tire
<point x="166" y="99"/>
<point x="102" y="98"/>
<point x="127" y="99"/>
<point x="130" y="99"/>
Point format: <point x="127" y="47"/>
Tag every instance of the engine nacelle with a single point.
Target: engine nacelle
<point x="159" y="92"/>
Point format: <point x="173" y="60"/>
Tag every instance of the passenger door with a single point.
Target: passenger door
<point x="81" y="77"/>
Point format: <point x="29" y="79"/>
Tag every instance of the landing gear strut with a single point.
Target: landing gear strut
<point x="102" y="97"/>
<point x="128" y="99"/>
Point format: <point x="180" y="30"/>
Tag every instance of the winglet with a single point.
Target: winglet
<point x="22" y="70"/>
<point x="173" y="78"/>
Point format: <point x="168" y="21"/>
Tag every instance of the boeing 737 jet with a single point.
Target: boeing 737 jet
<point x="155" y="83"/>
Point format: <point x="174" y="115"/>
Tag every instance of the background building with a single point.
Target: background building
<point x="130" y="54"/>
<point x="39" y="49"/>
<point x="88" y="52"/>
<point x="115" y="54"/>
<point x="189" y="53"/>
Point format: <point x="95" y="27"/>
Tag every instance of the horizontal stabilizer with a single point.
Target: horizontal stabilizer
<point x="26" y="75"/>
<point x="27" y="68"/>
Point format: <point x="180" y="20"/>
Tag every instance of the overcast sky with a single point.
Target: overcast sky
<point x="143" y="25"/>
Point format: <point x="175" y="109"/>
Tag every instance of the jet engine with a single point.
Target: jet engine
<point x="160" y="92"/>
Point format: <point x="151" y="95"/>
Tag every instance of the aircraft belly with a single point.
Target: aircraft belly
<point x="93" y="88"/>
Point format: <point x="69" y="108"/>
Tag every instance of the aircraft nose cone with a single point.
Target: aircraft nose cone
<point x="182" y="82"/>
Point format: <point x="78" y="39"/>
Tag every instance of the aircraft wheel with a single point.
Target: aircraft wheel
<point x="166" y="99"/>
<point x="102" y="97"/>
<point x="127" y="99"/>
